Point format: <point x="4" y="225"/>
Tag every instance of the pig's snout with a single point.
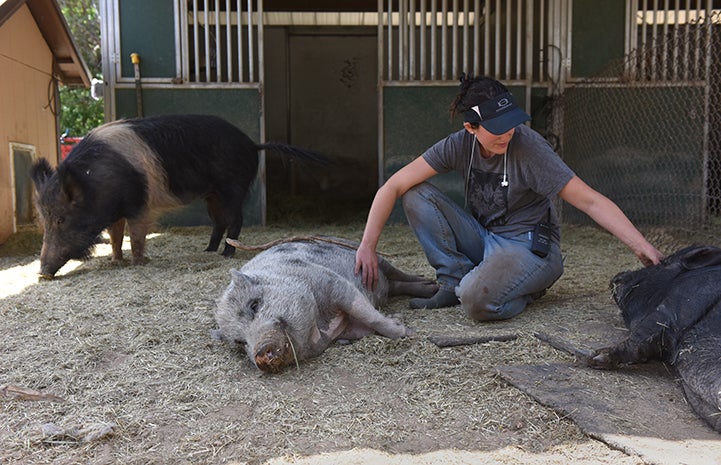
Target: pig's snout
<point x="50" y="263"/>
<point x="47" y="271"/>
<point x="273" y="356"/>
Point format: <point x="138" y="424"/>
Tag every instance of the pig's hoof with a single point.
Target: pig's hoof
<point x="140" y="261"/>
<point x="217" y="335"/>
<point x="45" y="277"/>
<point x="601" y="360"/>
<point x="399" y="329"/>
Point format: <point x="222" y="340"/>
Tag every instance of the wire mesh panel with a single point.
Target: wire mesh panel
<point x="651" y="140"/>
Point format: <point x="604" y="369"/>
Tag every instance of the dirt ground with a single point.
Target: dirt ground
<point x="114" y="363"/>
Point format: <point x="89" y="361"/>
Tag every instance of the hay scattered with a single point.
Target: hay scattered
<point x="129" y="350"/>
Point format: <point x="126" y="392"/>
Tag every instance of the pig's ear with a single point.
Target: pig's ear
<point x="700" y="257"/>
<point x="40" y="173"/>
<point x="71" y="188"/>
<point x="241" y="279"/>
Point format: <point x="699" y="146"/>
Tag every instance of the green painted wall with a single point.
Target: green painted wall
<point x="148" y="28"/>
<point x="598" y="36"/>
<point x="239" y="106"/>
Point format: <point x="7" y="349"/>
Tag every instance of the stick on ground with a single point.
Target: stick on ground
<point x="444" y="340"/>
<point x="582" y="355"/>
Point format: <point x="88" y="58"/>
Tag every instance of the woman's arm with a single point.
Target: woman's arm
<point x="366" y="260"/>
<point x="610" y="217"/>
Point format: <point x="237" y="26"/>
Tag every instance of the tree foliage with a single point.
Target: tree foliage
<point x="79" y="111"/>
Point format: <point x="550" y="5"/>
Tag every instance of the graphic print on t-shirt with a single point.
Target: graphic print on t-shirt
<point x="487" y="199"/>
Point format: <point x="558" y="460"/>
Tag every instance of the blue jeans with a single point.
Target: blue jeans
<point x="494" y="277"/>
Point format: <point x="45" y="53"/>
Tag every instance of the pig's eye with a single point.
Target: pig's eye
<point x="254" y="304"/>
<point x="60" y="220"/>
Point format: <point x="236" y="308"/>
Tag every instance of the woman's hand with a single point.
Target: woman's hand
<point x="366" y="262"/>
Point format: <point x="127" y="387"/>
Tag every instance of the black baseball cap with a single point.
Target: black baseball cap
<point x="497" y="115"/>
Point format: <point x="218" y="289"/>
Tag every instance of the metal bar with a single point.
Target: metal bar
<point x="434" y="38"/>
<point x="630" y="34"/>
<point x="261" y="89"/>
<point x="707" y="104"/>
<point x="675" y="64"/>
<point x="548" y="44"/>
<point x="519" y="38"/>
<point x="379" y="97"/>
<point x="251" y="54"/>
<point x="423" y="51"/>
<point x="260" y="30"/>
<point x="180" y="11"/>
<point x="454" y="41"/>
<point x="206" y="37"/>
<point x="476" y="38"/>
<point x="708" y="46"/>
<point x="239" y="30"/>
<point x="390" y="40"/>
<point x="697" y="57"/>
<point x="687" y="41"/>
<point x="466" y="45"/>
<point x="228" y="43"/>
<point x="196" y="51"/>
<point x="644" y="46"/>
<point x="509" y="38"/>
<point x="412" y="40"/>
<point x="486" y="37"/>
<point x="664" y="39"/>
<point x="529" y="49"/>
<point x="567" y="19"/>
<point x="380" y="44"/>
<point x="542" y="55"/>
<point x="218" y="61"/>
<point x="654" y="41"/>
<point x="402" y="40"/>
<point x="497" y="51"/>
<point x="444" y="40"/>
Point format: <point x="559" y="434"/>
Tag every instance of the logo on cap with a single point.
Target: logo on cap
<point x="503" y="103"/>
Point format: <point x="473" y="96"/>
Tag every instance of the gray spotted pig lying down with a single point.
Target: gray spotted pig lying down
<point x="290" y="302"/>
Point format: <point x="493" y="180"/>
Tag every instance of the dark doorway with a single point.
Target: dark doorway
<point x="331" y="108"/>
<point x="22" y="161"/>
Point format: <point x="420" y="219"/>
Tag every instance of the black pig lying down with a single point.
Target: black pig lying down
<point x="131" y="169"/>
<point x="290" y="302"/>
<point x="673" y="312"/>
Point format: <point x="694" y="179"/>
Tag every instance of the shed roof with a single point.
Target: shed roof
<point x="70" y="66"/>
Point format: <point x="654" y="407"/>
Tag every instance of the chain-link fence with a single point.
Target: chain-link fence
<point x="651" y="140"/>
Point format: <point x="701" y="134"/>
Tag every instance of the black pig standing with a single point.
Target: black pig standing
<point x="131" y="169"/>
<point x="673" y="312"/>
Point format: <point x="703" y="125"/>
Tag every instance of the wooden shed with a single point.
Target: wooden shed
<point x="37" y="54"/>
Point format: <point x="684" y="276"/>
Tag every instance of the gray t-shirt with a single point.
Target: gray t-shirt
<point x="534" y="172"/>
